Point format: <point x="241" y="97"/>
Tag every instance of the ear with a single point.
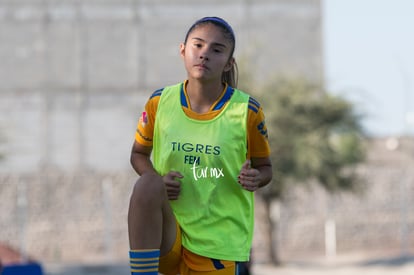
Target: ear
<point x="182" y="49"/>
<point x="229" y="64"/>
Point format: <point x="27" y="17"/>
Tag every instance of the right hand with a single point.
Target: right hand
<point x="172" y="185"/>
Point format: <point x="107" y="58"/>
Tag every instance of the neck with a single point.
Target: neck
<point x="203" y="95"/>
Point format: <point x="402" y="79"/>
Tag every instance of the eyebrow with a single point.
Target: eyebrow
<point x="214" y="43"/>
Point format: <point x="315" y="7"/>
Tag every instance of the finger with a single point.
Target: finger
<point x="246" y="165"/>
<point x="252" y="186"/>
<point x="170" y="178"/>
<point x="173" y="197"/>
<point x="175" y="174"/>
<point x="249" y="183"/>
<point x="172" y="192"/>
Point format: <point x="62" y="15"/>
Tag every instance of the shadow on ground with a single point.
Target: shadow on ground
<point x="111" y="269"/>
<point x="389" y="261"/>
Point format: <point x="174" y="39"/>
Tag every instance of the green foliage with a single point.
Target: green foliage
<point x="313" y="136"/>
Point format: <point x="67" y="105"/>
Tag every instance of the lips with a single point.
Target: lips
<point x="201" y="66"/>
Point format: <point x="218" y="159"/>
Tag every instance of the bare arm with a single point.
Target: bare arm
<point x="140" y="159"/>
<point x="141" y="162"/>
<point x="255" y="173"/>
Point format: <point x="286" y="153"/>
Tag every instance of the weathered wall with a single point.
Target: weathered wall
<point x="75" y="74"/>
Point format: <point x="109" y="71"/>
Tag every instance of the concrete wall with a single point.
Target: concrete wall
<point x="75" y="74"/>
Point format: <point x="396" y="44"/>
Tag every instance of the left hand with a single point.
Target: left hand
<point x="249" y="178"/>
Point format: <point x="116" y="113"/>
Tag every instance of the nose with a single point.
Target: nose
<point x="204" y="55"/>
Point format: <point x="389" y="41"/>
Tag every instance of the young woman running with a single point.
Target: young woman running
<point x="201" y="151"/>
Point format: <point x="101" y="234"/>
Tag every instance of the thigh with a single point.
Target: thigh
<point x="169" y="229"/>
<point x="169" y="264"/>
<point x="151" y="221"/>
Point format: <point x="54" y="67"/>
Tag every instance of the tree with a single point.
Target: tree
<point x="314" y="136"/>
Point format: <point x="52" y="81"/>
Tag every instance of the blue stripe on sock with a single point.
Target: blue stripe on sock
<point x="144" y="254"/>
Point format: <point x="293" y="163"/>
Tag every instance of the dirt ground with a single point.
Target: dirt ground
<point x="343" y="265"/>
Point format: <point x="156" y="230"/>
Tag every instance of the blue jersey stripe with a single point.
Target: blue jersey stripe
<point x="253" y="108"/>
<point x="157" y="93"/>
<point x="254" y="105"/>
<point x="226" y="97"/>
<point x="254" y="102"/>
<point x="183" y="98"/>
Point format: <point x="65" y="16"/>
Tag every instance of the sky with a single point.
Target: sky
<point x="369" y="60"/>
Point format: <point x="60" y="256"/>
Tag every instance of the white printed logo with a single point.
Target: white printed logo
<point x="206" y="172"/>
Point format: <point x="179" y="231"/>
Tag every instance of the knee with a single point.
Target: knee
<point x="148" y="190"/>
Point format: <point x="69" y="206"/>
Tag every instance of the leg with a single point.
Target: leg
<point x="151" y="222"/>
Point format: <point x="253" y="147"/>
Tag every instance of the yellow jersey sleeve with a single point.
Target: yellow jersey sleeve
<point x="257" y="136"/>
<point x="145" y="128"/>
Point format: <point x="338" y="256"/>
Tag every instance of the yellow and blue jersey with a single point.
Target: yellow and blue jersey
<point x="257" y="141"/>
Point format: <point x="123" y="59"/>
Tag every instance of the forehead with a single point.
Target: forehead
<point x="209" y="32"/>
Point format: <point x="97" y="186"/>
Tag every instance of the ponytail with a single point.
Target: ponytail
<point x="231" y="77"/>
